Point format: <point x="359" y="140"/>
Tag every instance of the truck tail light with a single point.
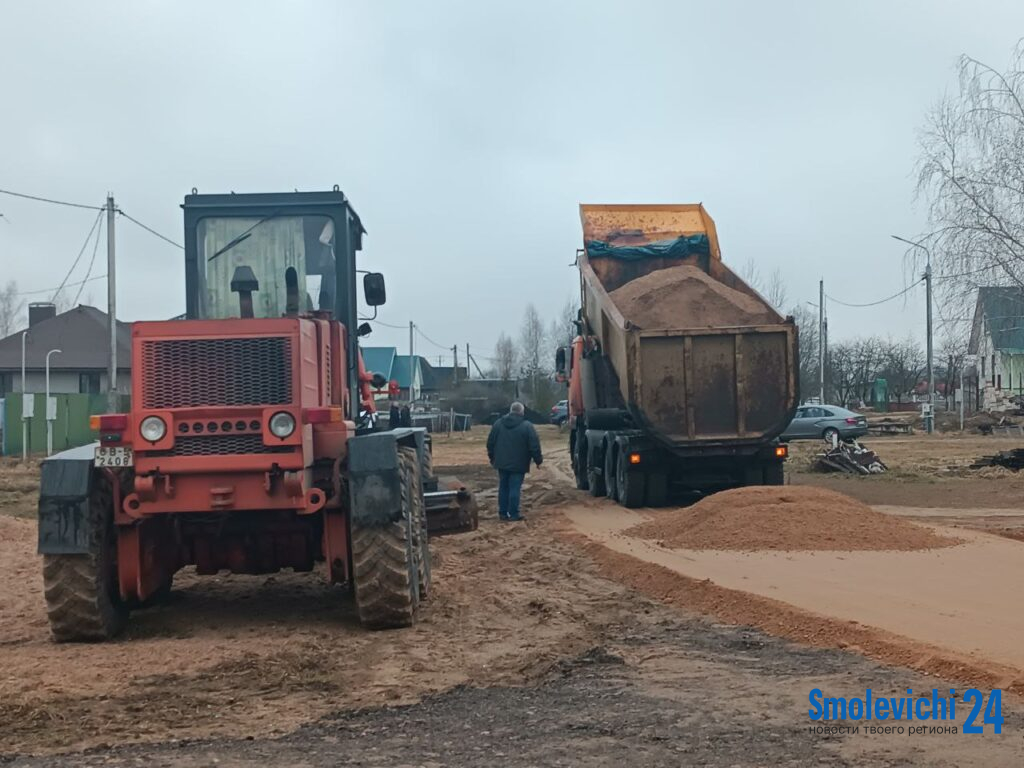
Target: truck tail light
<point x="321" y="415"/>
<point x="634" y="458"/>
<point x="781" y="451"/>
<point x="109" y="422"/>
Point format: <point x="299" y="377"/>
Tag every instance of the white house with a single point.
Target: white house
<point x="997" y="341"/>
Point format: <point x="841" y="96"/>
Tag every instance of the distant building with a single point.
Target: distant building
<point x="82" y="335"/>
<point x="997" y="342"/>
<point x="395" y="367"/>
<point x="440" y="381"/>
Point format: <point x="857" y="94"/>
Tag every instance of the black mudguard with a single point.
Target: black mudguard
<point x="64" y="488"/>
<point x="374" y="478"/>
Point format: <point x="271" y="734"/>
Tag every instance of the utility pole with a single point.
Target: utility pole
<point x="821" y="342"/>
<point x="455" y="367"/>
<point x="112" y="406"/>
<point x="412" y="353"/>
<point x="929" y="421"/>
<point x="468" y="376"/>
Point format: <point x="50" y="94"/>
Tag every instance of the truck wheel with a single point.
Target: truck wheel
<point x="384" y="565"/>
<point x="611" y="455"/>
<point x="83" y="600"/>
<point x="657" y="489"/>
<point x="576" y="454"/>
<point x="421" y="545"/>
<point x="775" y="473"/>
<point x="630" y="487"/>
<point x="595" y="483"/>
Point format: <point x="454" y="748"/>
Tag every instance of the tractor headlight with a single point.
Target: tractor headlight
<point x="282" y="424"/>
<point x="153" y="428"/>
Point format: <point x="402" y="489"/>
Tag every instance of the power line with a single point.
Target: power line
<point x="92" y="260"/>
<point x="50" y="200"/>
<point x="150" y="230"/>
<point x="427" y="338"/>
<point x="391" y="325"/>
<point x="78" y="258"/>
<point x="67" y="285"/>
<point x="880" y="301"/>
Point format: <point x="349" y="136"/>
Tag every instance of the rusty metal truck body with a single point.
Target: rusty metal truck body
<point x="654" y="407"/>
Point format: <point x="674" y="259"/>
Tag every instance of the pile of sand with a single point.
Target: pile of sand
<point x="687" y="297"/>
<point x="785" y="518"/>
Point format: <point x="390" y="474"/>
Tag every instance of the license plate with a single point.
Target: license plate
<point x="114" y="456"/>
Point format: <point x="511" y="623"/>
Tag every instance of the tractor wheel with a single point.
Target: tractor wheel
<point x="83" y="600"/>
<point x="428" y="461"/>
<point x="611" y="454"/>
<point x="657" y="489"/>
<point x="630" y="486"/>
<point x="421" y="545"/>
<point x="384" y="565"/>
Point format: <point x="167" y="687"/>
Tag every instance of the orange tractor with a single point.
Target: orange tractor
<point x="252" y="443"/>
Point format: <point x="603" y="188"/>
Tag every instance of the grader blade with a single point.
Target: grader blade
<point x="451" y="508"/>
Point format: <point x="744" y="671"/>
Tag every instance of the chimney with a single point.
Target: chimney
<point x="40" y="311"/>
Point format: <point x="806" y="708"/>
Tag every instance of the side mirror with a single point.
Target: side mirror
<point x="560" y="360"/>
<point x="364" y="329"/>
<point x="378" y="381"/>
<point x="373" y="289"/>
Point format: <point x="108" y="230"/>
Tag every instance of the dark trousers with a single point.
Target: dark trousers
<point x="509" y="486"/>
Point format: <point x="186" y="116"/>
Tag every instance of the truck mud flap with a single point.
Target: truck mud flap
<point x="64" y="488"/>
<point x="374" y="480"/>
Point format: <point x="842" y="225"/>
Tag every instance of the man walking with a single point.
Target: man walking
<point x="510" y="446"/>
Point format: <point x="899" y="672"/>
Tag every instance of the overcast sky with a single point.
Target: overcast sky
<point x="466" y="134"/>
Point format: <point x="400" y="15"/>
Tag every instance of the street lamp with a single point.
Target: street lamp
<point x="930" y="418"/>
<point x="51" y="410"/>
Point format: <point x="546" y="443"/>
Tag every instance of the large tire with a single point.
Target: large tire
<point x="576" y="454"/>
<point x="595" y="483"/>
<point x="384" y="565"/>
<point x="630" y="486"/>
<point x="421" y="545"/>
<point x="611" y="459"/>
<point x="428" y="461"/>
<point x="83" y="601"/>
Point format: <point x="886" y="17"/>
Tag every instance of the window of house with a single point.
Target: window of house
<point x="983" y="367"/>
<point x="6" y="383"/>
<point x="999" y="381"/>
<point x="89" y="383"/>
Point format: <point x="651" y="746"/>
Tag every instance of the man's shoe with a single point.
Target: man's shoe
<point x="517" y="519"/>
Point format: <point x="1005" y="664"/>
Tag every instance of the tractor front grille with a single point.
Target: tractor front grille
<point x="191" y="373"/>
<point x="220" y="445"/>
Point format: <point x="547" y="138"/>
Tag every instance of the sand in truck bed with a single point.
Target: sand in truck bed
<point x="687" y="297"/>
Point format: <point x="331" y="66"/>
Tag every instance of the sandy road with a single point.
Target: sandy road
<point x="540" y="647"/>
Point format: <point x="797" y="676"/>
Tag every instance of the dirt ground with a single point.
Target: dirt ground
<point x="539" y="647"/>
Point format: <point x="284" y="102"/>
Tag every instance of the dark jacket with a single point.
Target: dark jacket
<point x="512" y="443"/>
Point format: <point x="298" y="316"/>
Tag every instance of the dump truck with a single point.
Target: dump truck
<point x="681" y="375"/>
<point x="251" y="444"/>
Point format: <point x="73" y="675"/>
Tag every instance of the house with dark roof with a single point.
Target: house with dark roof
<point x="441" y="380"/>
<point x="997" y="342"/>
<point x="82" y="336"/>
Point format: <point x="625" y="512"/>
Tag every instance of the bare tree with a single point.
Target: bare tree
<point x="852" y="368"/>
<point x="532" y="338"/>
<point x="11" y="306"/>
<point x="952" y="355"/>
<point x="504" y="358"/>
<point x="904" y="364"/>
<point x="807" y="337"/>
<point x="971" y="173"/>
<point x="563" y="328"/>
<point x="773" y="288"/>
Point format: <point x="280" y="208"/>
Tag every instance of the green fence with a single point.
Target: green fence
<point x="70" y="429"/>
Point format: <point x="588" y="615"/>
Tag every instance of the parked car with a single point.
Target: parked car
<point x="559" y="412"/>
<point x="824" y="421"/>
